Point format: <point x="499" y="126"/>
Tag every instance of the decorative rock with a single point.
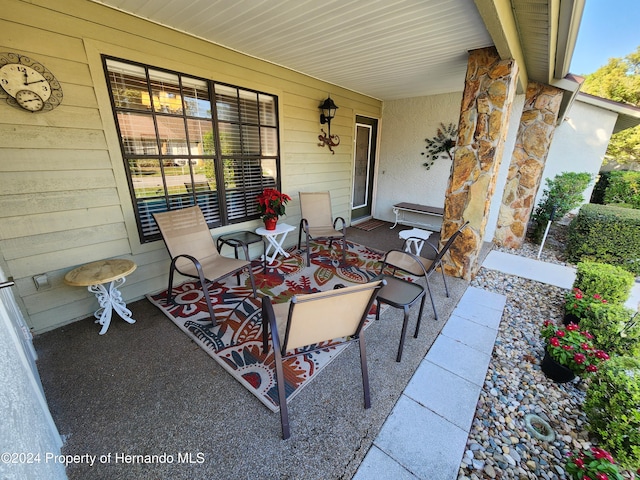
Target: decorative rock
<point x="515" y="387"/>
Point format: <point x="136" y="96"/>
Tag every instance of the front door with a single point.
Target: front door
<point x="364" y="167"/>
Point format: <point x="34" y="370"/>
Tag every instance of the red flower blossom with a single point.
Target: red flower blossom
<point x="560" y="333"/>
<point x="573" y="326"/>
<point x="579" y="358"/>
<point x="555" y="342"/>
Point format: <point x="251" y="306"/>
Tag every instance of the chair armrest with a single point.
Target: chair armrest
<point x="344" y="224"/>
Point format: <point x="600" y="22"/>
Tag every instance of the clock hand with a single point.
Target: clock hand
<point x="35" y="81"/>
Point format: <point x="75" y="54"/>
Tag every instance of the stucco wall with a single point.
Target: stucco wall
<point x="494" y="209"/>
<point x="579" y="143"/>
<point x="401" y="176"/>
<point x="27" y="426"/>
<point x="63" y="188"/>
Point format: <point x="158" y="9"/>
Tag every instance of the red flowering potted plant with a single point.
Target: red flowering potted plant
<point x="271" y="205"/>
<point x="577" y="304"/>
<point x="592" y="464"/>
<point x="569" y="352"/>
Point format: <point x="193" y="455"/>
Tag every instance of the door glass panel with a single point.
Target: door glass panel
<point x="361" y="166"/>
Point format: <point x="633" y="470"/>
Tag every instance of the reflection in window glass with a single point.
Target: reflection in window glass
<point x="128" y="86"/>
<point x="251" y="140"/>
<point x="269" y="141"/>
<point x="196" y="98"/>
<point x="230" y="143"/>
<point x="249" y="107"/>
<point x="200" y="137"/>
<point x="138" y="134"/>
<point x="267" y="110"/>
<point x="166" y="92"/>
<point x="227" y="103"/>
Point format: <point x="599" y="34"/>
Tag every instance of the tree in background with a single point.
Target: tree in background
<point x="619" y="80"/>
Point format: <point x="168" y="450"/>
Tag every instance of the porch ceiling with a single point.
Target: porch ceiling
<point x="387" y="49"/>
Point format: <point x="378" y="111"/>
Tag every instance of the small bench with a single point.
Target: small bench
<point x="401" y="208"/>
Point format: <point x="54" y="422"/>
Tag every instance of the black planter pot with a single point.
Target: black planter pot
<point x="570" y="318"/>
<point x="555" y="371"/>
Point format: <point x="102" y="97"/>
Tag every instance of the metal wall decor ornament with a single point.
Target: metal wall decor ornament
<point x="27" y="84"/>
<point x="441" y="145"/>
<point x="328" y="112"/>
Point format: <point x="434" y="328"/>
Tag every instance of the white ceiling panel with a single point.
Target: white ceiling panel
<point x="387" y="49"/>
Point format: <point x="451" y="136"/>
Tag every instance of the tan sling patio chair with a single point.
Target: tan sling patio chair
<point x="429" y="266"/>
<point x="313" y="318"/>
<point x="193" y="252"/>
<point x="318" y="223"/>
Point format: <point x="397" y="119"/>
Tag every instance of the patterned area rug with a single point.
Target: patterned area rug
<point x="369" y="225"/>
<point x="236" y="342"/>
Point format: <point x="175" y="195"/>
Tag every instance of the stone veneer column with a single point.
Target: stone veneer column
<point x="537" y="126"/>
<point x="484" y="117"/>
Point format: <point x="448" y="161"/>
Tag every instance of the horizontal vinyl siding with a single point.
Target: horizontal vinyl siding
<point x="63" y="192"/>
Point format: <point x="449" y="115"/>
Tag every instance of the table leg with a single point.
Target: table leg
<point x="110" y="299"/>
<point x="396" y="211"/>
<point x="275" y="244"/>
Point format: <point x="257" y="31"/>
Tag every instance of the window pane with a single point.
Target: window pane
<point x="269" y="139"/>
<point x="165" y="89"/>
<point x="167" y="122"/>
<point x="146" y="208"/>
<point x="248" y="107"/>
<point x="229" y="138"/>
<point x="201" y="137"/>
<point x="196" y="97"/>
<point x="227" y="103"/>
<point x="250" y="140"/>
<point x="173" y="138"/>
<point x="267" y="110"/>
<point x="138" y="134"/>
<point x="269" y="173"/>
<point x="128" y="86"/>
<point x="146" y="178"/>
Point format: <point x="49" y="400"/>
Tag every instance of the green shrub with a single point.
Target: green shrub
<point x="610" y="282"/>
<point x="624" y="187"/>
<point x="564" y="192"/>
<point x="615" y="328"/>
<point x="612" y="407"/>
<point x="606" y="234"/>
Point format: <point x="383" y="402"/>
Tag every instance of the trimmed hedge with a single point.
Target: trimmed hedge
<point x="606" y="234"/>
<point x="612" y="407"/>
<point x="610" y="282"/>
<point x="623" y="188"/>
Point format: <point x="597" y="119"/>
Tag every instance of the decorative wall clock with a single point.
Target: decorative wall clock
<point x="28" y="84"/>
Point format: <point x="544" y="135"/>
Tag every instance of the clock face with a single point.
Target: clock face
<point x="27" y="84"/>
<point x="30" y="100"/>
<point x="15" y="78"/>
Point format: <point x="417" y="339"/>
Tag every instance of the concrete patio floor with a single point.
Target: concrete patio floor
<point x="146" y="389"/>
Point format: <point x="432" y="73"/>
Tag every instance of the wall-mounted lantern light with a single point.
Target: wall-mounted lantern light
<point x="328" y="112"/>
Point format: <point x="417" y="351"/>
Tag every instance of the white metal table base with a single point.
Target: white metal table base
<point x="110" y="299"/>
<point x="276" y="239"/>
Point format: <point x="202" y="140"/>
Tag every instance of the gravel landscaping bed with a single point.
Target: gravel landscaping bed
<point x="500" y="445"/>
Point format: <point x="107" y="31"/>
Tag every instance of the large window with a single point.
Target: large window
<point x="191" y="141"/>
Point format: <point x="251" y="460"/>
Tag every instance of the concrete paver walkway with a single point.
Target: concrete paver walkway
<point x="426" y="433"/>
